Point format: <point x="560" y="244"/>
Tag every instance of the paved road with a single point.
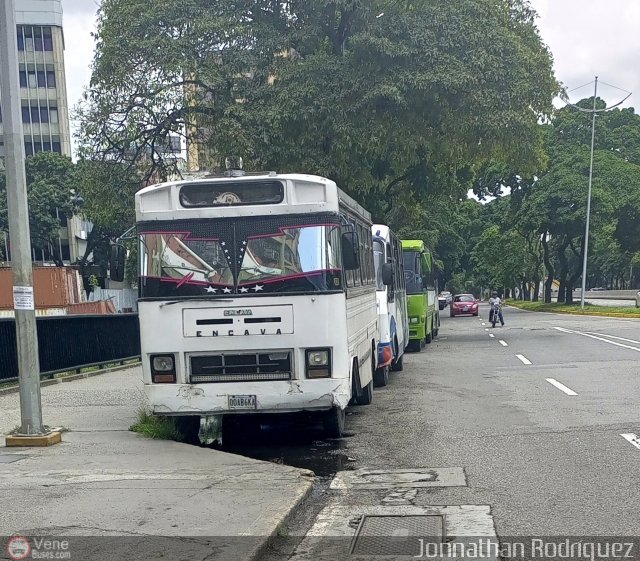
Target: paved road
<point x="533" y="415"/>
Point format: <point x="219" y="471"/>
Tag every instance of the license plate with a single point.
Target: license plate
<point x="242" y="401"/>
<point x="465" y="309"/>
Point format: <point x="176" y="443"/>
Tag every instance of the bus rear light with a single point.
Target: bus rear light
<point x="163" y="369"/>
<point x="318" y="363"/>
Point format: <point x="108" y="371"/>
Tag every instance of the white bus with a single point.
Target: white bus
<point x="391" y="294"/>
<point x="257" y="294"/>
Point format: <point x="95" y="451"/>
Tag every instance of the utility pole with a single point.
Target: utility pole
<point x="586" y="229"/>
<point x="32" y="431"/>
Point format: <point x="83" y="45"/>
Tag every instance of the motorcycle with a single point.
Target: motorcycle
<point x="494" y="314"/>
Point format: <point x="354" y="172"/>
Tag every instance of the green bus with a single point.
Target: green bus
<point x="422" y="303"/>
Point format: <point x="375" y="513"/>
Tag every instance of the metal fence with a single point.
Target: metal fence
<point x="72" y="342"/>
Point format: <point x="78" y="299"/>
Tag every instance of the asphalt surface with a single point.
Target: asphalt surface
<point x="546" y="462"/>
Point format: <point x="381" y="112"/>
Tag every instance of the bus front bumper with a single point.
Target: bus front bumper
<point x="273" y="397"/>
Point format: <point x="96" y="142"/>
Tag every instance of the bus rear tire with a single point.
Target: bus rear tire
<point x="366" y="396"/>
<point x="428" y="338"/>
<point x="398" y="365"/>
<point x="381" y="377"/>
<point x="333" y="422"/>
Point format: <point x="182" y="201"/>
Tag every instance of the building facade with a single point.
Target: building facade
<point x="43" y="90"/>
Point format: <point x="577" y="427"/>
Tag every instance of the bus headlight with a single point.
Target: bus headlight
<point x="318" y="363"/>
<point x="163" y="369"/>
<point x="413" y="320"/>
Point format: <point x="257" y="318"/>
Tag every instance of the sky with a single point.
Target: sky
<point x="586" y="37"/>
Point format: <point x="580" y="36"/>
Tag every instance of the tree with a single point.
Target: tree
<point x="108" y="189"/>
<point x="50" y="181"/>
<point x="415" y="101"/>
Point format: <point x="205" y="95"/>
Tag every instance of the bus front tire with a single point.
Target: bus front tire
<point x="381" y="377"/>
<point x="333" y="422"/>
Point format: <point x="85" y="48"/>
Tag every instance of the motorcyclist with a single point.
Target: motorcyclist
<point x="495" y="304"/>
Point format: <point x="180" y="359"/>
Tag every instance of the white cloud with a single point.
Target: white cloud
<point x="79" y="23"/>
<point x="590" y="38"/>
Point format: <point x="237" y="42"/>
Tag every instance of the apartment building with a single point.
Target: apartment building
<point x="43" y="90"/>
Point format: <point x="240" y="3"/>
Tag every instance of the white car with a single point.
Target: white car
<point x="638" y="299"/>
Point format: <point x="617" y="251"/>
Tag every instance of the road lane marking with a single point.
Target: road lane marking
<point x="503" y="343"/>
<point x="491" y="335"/>
<point x="483" y="323"/>
<point x="560" y="386"/>
<point x="632" y="438"/>
<point x="523" y="359"/>
<point x="572" y="332"/>
<point x="613" y="337"/>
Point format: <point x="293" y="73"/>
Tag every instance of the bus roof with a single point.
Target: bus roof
<point x="302" y="194"/>
<point x="413" y="245"/>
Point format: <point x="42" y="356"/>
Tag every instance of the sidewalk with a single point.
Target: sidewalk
<point x="113" y="492"/>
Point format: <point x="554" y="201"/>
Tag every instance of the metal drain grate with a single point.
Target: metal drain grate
<point x="397" y="535"/>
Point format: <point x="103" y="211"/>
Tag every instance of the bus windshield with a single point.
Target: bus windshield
<point x="413" y="272"/>
<point x="240" y="259"/>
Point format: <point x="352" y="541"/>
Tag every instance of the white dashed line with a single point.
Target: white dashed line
<point x="491" y="335"/>
<point x="523" y="359"/>
<point x="632" y="438"/>
<point x="561" y="387"/>
<point x="483" y="323"/>
<point x="503" y="343"/>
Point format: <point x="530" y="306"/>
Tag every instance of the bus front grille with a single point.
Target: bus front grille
<point x="246" y="367"/>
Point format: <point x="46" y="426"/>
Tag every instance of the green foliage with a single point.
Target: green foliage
<point x="50" y="180"/>
<point x="575" y="309"/>
<point x="157" y="427"/>
<point x="403" y="111"/>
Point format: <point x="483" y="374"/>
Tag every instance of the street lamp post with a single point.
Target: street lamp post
<point x="594" y="112"/>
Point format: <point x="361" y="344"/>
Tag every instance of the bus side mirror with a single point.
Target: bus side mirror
<point x="387" y="274"/>
<point x="350" y="251"/>
<point x="116" y="262"/>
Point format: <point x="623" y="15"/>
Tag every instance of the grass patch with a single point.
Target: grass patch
<point x="589" y="309"/>
<point x="154" y="426"/>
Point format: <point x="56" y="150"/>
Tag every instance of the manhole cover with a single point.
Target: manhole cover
<point x="10" y="458"/>
<point x="397" y="535"/>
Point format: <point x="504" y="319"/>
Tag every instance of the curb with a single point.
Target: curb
<point x="71" y="378"/>
<point x="261" y="549"/>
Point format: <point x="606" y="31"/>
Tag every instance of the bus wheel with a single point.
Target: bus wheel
<point x="429" y="338"/>
<point x="381" y="377"/>
<point x="333" y="422"/>
<point x="414" y="346"/>
<point x="366" y="397"/>
<point x="398" y="365"/>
